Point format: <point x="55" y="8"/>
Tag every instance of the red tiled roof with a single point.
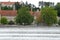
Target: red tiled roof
<point x="31" y="12"/>
<point x="14" y="13"/>
<point x="7" y="3"/>
<point x="8" y="12"/>
<point x="35" y="13"/>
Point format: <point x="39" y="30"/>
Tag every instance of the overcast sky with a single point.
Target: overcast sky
<point x="35" y="2"/>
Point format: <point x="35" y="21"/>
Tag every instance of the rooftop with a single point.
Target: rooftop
<point x="8" y="12"/>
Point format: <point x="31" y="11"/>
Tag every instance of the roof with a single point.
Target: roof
<point x="8" y="3"/>
<point x="36" y="13"/>
<point x="14" y="13"/>
<point x="8" y="12"/>
<point x="31" y="12"/>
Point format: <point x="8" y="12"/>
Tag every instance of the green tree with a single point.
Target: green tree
<point x="47" y="3"/>
<point x="6" y="8"/>
<point x="57" y="7"/>
<point x="4" y="20"/>
<point x="17" y="5"/>
<point x="24" y="16"/>
<point x="49" y="15"/>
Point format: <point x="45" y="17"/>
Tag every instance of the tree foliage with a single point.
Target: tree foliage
<point x="17" y="6"/>
<point x="57" y="7"/>
<point x="7" y="8"/>
<point x="49" y="15"/>
<point x="4" y="20"/>
<point x="24" y="16"/>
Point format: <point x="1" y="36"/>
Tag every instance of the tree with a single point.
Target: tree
<point x="6" y="8"/>
<point x="30" y="6"/>
<point x="49" y="15"/>
<point x="41" y="3"/>
<point x="57" y="7"/>
<point x="4" y="20"/>
<point x="26" y="3"/>
<point x="24" y="16"/>
<point x="17" y="6"/>
<point x="47" y="3"/>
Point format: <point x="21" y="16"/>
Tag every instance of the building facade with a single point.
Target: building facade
<point x="11" y="14"/>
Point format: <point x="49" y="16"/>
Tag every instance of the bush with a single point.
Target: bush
<point x="24" y="16"/>
<point x="57" y="7"/>
<point x="49" y="15"/>
<point x="4" y="20"/>
<point x="59" y="22"/>
<point x="11" y="22"/>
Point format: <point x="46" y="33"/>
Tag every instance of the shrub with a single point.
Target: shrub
<point x="24" y="16"/>
<point x="11" y="22"/>
<point x="4" y="20"/>
<point x="49" y="15"/>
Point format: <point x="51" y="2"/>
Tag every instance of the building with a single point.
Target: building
<point x="11" y="14"/>
<point x="8" y="4"/>
<point x="43" y="4"/>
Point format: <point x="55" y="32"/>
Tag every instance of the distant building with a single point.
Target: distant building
<point x="43" y="4"/>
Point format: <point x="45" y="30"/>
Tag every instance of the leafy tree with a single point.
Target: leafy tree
<point x="4" y="20"/>
<point x="49" y="15"/>
<point x="30" y="6"/>
<point x="57" y="7"/>
<point x="41" y="3"/>
<point x="47" y="3"/>
<point x="17" y="6"/>
<point x="26" y="3"/>
<point x="24" y="16"/>
<point x="6" y="8"/>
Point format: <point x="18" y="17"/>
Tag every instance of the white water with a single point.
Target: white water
<point x="35" y="33"/>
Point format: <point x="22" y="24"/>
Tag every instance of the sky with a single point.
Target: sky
<point x="35" y="2"/>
